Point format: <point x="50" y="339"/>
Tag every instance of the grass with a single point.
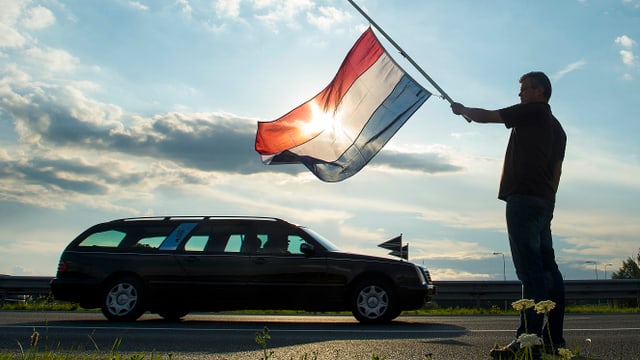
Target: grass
<point x="48" y="305"/>
<point x="262" y="339"/>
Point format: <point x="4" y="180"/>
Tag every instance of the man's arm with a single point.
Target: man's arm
<point x="477" y="114"/>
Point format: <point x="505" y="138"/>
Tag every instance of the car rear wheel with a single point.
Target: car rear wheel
<point x="374" y="302"/>
<point x="123" y="299"/>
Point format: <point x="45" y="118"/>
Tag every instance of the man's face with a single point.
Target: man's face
<point x="529" y="92"/>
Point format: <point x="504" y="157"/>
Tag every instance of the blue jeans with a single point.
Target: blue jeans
<point x="529" y="228"/>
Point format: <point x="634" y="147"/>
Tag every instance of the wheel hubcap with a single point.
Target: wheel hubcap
<point x="121" y="299"/>
<point x="373" y="302"/>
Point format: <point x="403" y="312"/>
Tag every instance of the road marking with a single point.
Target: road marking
<point x="277" y="330"/>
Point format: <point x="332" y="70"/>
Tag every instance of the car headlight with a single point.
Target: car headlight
<point x="421" y="276"/>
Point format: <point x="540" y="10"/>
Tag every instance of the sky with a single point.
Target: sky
<point x="113" y="109"/>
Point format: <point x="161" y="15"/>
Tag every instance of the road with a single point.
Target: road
<point x="215" y="336"/>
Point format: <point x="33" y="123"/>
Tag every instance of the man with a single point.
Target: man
<point x="530" y="178"/>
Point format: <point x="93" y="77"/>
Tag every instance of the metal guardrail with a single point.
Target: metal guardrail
<point x="577" y="291"/>
<point x="18" y="288"/>
<point x="476" y="293"/>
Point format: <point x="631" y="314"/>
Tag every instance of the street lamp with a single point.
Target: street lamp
<point x="504" y="272"/>
<point x="605" y="270"/>
<point x="595" y="266"/>
<point x="504" y="265"/>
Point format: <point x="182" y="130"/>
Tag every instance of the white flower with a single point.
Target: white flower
<point x="523" y="304"/>
<point x="565" y="353"/>
<point x="528" y="340"/>
<point x="543" y="307"/>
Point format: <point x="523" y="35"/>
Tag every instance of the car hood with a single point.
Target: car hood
<point x="363" y="257"/>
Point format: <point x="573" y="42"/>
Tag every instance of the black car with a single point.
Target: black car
<point x="175" y="265"/>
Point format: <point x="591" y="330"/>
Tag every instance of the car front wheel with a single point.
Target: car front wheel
<point x="123" y="300"/>
<point x="374" y="302"/>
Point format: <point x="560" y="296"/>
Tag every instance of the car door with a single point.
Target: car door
<point x="282" y="276"/>
<point x="216" y="271"/>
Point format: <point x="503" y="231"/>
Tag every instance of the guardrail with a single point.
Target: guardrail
<point x="481" y="293"/>
<point x="18" y="288"/>
<point x="449" y="293"/>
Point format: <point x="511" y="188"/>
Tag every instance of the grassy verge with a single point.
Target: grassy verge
<point x="47" y="305"/>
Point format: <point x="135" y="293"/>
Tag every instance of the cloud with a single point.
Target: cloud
<point x="16" y="15"/>
<point x="285" y="11"/>
<point x="228" y="8"/>
<point x="64" y="174"/>
<point x="51" y="116"/>
<point x="441" y="274"/>
<point x="625" y="41"/>
<point x="569" y="68"/>
<point x="38" y="17"/>
<point x="327" y="17"/>
<point x="424" y="162"/>
<point x="54" y="60"/>
<point x="138" y="6"/>
<point x="10" y="38"/>
<point x="627" y="55"/>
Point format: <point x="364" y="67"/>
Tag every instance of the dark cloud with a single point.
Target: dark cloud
<point x="52" y="174"/>
<point x="209" y="142"/>
<point x="215" y="142"/>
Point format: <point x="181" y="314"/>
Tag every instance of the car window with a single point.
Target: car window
<point x="295" y="243"/>
<point x="109" y="238"/>
<point x="328" y="245"/>
<point x="152" y="242"/>
<point x="234" y="244"/>
<point x="225" y="240"/>
<point x="277" y="243"/>
<point x="196" y="243"/>
<point x="242" y="238"/>
<point x="177" y="235"/>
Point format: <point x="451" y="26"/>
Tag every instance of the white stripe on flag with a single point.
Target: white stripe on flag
<point x="354" y="111"/>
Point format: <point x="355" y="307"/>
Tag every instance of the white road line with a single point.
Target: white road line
<point x="276" y="330"/>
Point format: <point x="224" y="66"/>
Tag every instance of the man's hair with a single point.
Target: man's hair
<point x="539" y="79"/>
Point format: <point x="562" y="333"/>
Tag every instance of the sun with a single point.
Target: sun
<point x="320" y="121"/>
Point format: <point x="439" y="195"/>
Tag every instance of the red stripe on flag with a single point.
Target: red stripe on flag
<point x="289" y="131"/>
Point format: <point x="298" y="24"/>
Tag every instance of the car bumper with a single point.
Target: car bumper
<point x="415" y="297"/>
<point x="86" y="292"/>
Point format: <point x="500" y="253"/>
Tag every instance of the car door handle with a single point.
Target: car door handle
<point x="259" y="260"/>
<point x="192" y="259"/>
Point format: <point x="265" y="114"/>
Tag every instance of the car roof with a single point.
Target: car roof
<point x="198" y="218"/>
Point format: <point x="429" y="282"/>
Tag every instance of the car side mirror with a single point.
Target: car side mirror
<point x="307" y="249"/>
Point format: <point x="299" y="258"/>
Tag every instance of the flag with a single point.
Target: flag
<point x="395" y="245"/>
<point x="337" y="132"/>
<point x="403" y="253"/>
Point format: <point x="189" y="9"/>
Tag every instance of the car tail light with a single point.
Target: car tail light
<point x="62" y="267"/>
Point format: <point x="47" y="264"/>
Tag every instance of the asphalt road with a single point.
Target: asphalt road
<point x="213" y="336"/>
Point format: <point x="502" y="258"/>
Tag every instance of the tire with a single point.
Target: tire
<point x="123" y="299"/>
<point x="374" y="302"/>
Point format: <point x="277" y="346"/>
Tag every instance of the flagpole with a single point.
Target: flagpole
<point x="404" y="54"/>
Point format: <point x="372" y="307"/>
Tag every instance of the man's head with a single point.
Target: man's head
<point x="534" y="87"/>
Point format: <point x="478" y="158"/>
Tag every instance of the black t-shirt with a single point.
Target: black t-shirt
<point x="537" y="143"/>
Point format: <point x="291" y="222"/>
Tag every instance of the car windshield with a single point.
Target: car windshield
<point x="320" y="239"/>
